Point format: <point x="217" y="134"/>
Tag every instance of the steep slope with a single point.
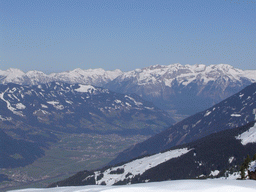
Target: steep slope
<point x="16" y="153"/>
<point x="78" y="108"/>
<point x="234" y="111"/>
<point x="206" y="157"/>
<point x="184" y="89"/>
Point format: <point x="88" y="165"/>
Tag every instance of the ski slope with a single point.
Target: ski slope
<point x="211" y="185"/>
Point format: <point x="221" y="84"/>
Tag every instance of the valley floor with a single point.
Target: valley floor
<point x="73" y="153"/>
<point x="210" y="185"/>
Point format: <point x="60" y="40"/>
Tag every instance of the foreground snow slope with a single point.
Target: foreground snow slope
<point x="170" y="186"/>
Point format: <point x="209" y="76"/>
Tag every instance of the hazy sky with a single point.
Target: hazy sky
<point x="61" y="35"/>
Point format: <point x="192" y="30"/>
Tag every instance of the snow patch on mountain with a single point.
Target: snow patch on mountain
<point x="252" y="166"/>
<point x="207" y="113"/>
<point x="9" y="106"/>
<point x="20" y="106"/>
<point x="41" y="111"/>
<point x="69" y="102"/>
<point x="135" y="102"/>
<point x="235" y="115"/>
<point x="53" y="102"/>
<point x="5" y="118"/>
<point x="44" y="106"/>
<point x="248" y="136"/>
<point x="214" y="173"/>
<point x="85" y="88"/>
<point x="230" y="160"/>
<point x="117" y="101"/>
<point x="139" y="166"/>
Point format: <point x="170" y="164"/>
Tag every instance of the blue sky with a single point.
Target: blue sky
<point x="61" y="35"/>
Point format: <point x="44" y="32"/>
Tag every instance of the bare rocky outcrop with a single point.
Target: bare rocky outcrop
<point x="252" y="175"/>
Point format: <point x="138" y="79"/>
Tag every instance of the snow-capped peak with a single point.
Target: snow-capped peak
<point x="97" y="77"/>
<point x="153" y="75"/>
<point x="185" y="74"/>
<point x="12" y="75"/>
<point x="14" y="70"/>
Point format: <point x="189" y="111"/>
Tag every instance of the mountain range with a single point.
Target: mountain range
<point x="97" y="77"/>
<point x="182" y="90"/>
<point x="35" y="108"/>
<point x="77" y="107"/>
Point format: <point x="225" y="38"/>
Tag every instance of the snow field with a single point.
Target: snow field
<point x="209" y="185"/>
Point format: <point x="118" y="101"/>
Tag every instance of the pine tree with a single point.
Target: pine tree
<point x="242" y="171"/>
<point x="254" y="157"/>
<point x="245" y="166"/>
<point x="247" y="162"/>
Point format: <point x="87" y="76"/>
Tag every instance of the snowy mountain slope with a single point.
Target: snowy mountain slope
<point x="184" y="89"/>
<point x="79" y="108"/>
<point x="97" y="77"/>
<point x="137" y="167"/>
<point x="234" y="111"/>
<point x="206" y="157"/>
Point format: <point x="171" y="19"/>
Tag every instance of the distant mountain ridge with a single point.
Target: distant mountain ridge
<point x="184" y="89"/>
<point x="183" y="74"/>
<point x="33" y="116"/>
<point x="179" y="89"/>
<point x="97" y="77"/>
